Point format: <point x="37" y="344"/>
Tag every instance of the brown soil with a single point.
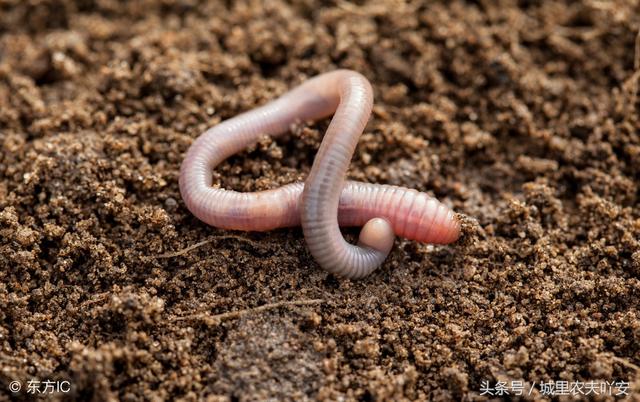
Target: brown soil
<point x="522" y="115"/>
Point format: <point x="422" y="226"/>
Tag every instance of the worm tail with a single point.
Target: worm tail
<point x="412" y="214"/>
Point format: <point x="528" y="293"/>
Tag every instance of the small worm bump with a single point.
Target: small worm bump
<point x="325" y="201"/>
<point x="377" y="234"/>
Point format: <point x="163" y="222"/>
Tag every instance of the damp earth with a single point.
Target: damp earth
<point x="523" y="116"/>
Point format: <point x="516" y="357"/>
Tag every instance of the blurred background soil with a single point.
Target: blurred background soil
<point x="521" y="115"/>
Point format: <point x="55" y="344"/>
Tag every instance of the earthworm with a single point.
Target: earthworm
<point x="325" y="201"/>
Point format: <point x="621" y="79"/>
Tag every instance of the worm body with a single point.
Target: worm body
<point x="325" y="201"/>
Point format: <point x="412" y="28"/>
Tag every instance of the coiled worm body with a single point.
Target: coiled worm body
<point x="325" y="201"/>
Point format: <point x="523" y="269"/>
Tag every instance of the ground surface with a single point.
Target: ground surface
<point x="523" y="117"/>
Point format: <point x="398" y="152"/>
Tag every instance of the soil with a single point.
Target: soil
<point x="523" y="116"/>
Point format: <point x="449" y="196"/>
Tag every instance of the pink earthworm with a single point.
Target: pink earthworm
<point x="325" y="201"/>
